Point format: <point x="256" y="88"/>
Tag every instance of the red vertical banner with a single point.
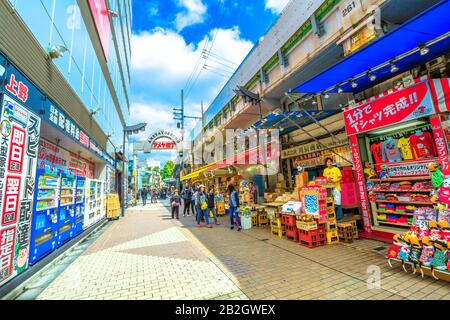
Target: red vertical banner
<point x="7" y="245"/>
<point x="441" y="145"/>
<point x="357" y="163"/>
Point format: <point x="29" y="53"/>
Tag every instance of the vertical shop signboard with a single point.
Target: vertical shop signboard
<point x="441" y="145"/>
<point x="19" y="142"/>
<point x="359" y="172"/>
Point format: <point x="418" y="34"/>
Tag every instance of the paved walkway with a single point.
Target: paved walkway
<point x="147" y="255"/>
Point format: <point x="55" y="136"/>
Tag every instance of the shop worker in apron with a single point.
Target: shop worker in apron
<point x="233" y="199"/>
<point x="202" y="207"/>
<point x="334" y="175"/>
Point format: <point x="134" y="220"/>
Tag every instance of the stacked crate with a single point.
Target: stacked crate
<point x="310" y="233"/>
<point x="263" y="219"/>
<point x="345" y="231"/>
<point x="276" y="226"/>
<point x="289" y="222"/>
<point x="112" y="206"/>
<point x="331" y="224"/>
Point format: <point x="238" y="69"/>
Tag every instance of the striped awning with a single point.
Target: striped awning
<point x="196" y="174"/>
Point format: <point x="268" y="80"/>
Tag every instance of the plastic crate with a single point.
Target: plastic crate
<point x="332" y="237"/>
<point x="288" y="220"/>
<point x="312" y="238"/>
<point x="292" y="233"/>
<point x="263" y="219"/>
<point x="278" y="231"/>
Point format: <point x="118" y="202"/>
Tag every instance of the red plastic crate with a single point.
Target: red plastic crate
<point x="312" y="238"/>
<point x="291" y="233"/>
<point x="288" y="220"/>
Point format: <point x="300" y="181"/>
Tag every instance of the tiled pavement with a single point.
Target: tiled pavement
<point x="149" y="256"/>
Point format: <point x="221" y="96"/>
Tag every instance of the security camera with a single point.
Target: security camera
<point x="94" y="111"/>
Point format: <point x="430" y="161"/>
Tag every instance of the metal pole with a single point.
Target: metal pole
<point x="182" y="109"/>
<point x="123" y="176"/>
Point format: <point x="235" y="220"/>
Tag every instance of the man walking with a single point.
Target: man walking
<point x="144" y="196"/>
<point x="187" y="194"/>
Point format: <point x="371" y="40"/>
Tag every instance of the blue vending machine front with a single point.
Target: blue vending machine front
<point x="44" y="228"/>
<point x="66" y="223"/>
<point x="79" y="205"/>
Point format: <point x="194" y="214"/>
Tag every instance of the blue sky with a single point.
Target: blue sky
<point x="167" y="43"/>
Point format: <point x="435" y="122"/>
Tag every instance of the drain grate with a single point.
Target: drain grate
<point x="263" y="239"/>
<point x="380" y="248"/>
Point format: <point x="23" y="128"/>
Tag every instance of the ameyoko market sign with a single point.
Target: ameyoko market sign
<point x="410" y="103"/>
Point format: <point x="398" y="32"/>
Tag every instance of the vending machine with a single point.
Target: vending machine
<point x="44" y="227"/>
<point x="66" y="208"/>
<point x="79" y="205"/>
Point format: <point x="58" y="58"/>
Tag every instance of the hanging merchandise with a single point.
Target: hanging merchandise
<point x="390" y="151"/>
<point x="405" y="147"/>
<point x="422" y="145"/>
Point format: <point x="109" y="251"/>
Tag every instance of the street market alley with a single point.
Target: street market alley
<point x="147" y="255"/>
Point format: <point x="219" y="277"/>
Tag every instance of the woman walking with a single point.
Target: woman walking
<point x="233" y="199"/>
<point x="212" y="204"/>
<point x="202" y="206"/>
<point x="175" y="202"/>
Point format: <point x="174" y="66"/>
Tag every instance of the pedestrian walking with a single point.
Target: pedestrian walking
<point x="144" y="196"/>
<point x="234" y="205"/>
<point x="212" y="204"/>
<point x="155" y="196"/>
<point x="193" y="203"/>
<point x="187" y="195"/>
<point x="202" y="206"/>
<point x="175" y="202"/>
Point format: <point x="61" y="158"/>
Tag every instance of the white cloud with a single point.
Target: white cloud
<point x="194" y="13"/>
<point x="162" y="62"/>
<point x="276" y="6"/>
<point x="152" y="9"/>
<point x="153" y="163"/>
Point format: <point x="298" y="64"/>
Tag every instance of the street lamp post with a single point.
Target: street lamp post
<point x="126" y="132"/>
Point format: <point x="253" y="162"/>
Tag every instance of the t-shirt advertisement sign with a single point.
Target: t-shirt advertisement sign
<point x="19" y="134"/>
<point x="63" y="160"/>
<point x="403" y="105"/>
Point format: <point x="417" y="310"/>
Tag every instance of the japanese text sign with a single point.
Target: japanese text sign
<point x="410" y="103"/>
<point x="100" y="14"/>
<point x="19" y="135"/>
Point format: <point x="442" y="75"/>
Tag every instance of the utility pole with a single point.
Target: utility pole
<point x="203" y="116"/>
<point x="182" y="109"/>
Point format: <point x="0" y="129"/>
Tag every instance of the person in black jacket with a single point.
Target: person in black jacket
<point x="187" y="195"/>
<point x="212" y="204"/>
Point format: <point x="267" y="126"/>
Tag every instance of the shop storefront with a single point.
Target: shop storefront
<point x="52" y="176"/>
<point x="396" y="139"/>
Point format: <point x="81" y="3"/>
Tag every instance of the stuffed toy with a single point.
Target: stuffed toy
<point x="435" y="232"/>
<point x="383" y="173"/>
<point x="422" y="229"/>
<point x="427" y="252"/>
<point x="434" y="197"/>
<point x="416" y="250"/>
<point x="440" y="258"/>
<point x="395" y="247"/>
<point x="445" y="230"/>
<point x="368" y="171"/>
<point x="437" y="178"/>
<point x="405" y="248"/>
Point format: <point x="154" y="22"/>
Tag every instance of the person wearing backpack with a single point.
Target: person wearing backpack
<point x="212" y="204"/>
<point x="187" y="195"/>
<point x="175" y="202"/>
<point x="194" y="203"/>
<point x="202" y="206"/>
<point x="234" y="205"/>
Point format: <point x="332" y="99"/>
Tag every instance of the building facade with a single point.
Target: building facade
<point x="65" y="67"/>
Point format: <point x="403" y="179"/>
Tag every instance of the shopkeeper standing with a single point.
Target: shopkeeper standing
<point x="333" y="174"/>
<point x="253" y="191"/>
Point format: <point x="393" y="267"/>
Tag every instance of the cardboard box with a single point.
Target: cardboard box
<point x="301" y="179"/>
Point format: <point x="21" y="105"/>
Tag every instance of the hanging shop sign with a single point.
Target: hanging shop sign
<point x="403" y="105"/>
<point x="100" y="14"/>
<point x="159" y="140"/>
<point x="330" y="142"/>
<point x="51" y="154"/>
<point x="441" y="146"/>
<point x="416" y="168"/>
<point x="359" y="173"/>
<point x="19" y="135"/>
<point x="62" y="121"/>
<point x="316" y="159"/>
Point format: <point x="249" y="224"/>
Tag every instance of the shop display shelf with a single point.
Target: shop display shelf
<point x="44" y="209"/>
<point x="418" y="178"/>
<point x="47" y="188"/>
<point x="405" y="202"/>
<point x="405" y="191"/>
<point x="45" y="198"/>
<point x="395" y="224"/>
<point x="395" y="213"/>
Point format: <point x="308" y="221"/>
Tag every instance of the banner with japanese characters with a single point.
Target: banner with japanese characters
<point x="19" y="143"/>
<point x="410" y="103"/>
<point x="62" y="159"/>
<point x="359" y="173"/>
